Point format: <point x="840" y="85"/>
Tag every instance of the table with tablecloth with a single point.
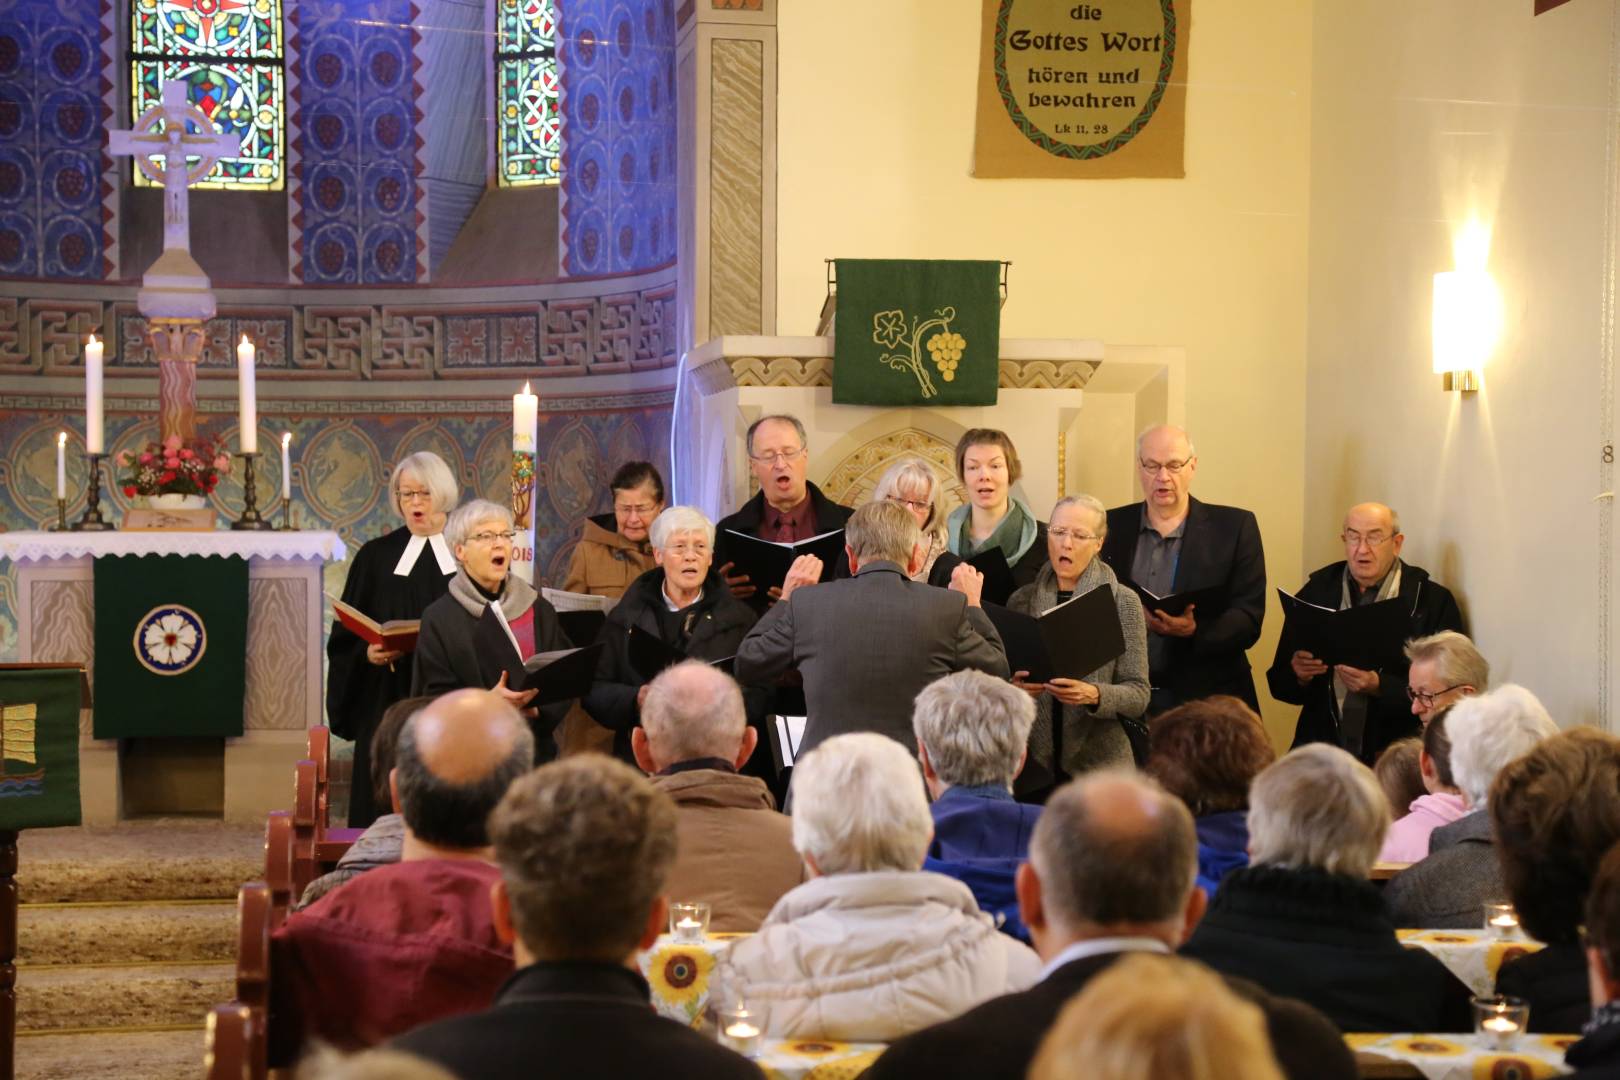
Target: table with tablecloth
<point x="1458" y="1057"/>
<point x="1474" y="956"/>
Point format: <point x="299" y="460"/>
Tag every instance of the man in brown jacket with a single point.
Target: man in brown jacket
<point x="734" y="850"/>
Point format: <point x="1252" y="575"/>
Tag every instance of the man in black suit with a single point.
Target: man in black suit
<point x="584" y="846"/>
<point x="1172" y="543"/>
<point x="1361" y="711"/>
<point x="1111" y="871"/>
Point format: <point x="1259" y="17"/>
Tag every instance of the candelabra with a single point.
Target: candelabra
<point x="92" y="520"/>
<point x="61" y="516"/>
<point x="250" y="518"/>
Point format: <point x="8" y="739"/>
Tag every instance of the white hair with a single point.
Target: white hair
<point x="680" y="519"/>
<point x="435" y="475"/>
<point x="1087" y="502"/>
<point x="1490" y="730"/>
<point x="1457" y="661"/>
<point x="461" y="522"/>
<point x="912" y="474"/>
<point x="693" y="711"/>
<point x="859" y="805"/>
<point x="1192" y="451"/>
<point x="1318" y="807"/>
<point x="974" y="727"/>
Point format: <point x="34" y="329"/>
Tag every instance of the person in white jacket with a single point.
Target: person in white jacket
<point x="872" y="947"/>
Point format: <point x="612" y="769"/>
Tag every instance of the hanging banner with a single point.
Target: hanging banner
<point x="1078" y="90"/>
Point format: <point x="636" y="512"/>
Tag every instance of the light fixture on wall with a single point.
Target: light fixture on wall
<point x="1467" y="313"/>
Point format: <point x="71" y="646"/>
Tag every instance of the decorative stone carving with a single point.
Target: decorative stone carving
<point x="853" y="479"/>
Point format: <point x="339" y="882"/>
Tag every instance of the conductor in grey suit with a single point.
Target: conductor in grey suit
<point x="867" y="644"/>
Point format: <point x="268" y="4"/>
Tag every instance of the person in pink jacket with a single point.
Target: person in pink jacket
<point x="1408" y="838"/>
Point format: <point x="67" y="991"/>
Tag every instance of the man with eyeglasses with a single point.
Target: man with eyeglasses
<point x="1172" y="543"/>
<point x="788" y="507"/>
<point x="1361" y="711"/>
<point x="1445" y="668"/>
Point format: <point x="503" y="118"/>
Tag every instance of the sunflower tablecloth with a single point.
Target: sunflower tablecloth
<point x="1461" y="1057"/>
<point x="679" y="974"/>
<point x="1474" y="956"/>
<point x="815" y="1059"/>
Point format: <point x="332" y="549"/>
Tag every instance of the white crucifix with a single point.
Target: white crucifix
<point x="187" y="133"/>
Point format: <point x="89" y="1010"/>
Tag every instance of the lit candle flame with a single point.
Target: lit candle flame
<point x="92" y="340"/>
<point x="526" y="389"/>
<point x="286" y="439"/>
<point x="61" y="438"/>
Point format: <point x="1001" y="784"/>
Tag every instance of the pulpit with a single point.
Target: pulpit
<point x="241" y="778"/>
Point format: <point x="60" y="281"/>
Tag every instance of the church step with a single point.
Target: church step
<point x="126" y="933"/>
<point x="160" y="859"/>
<point x="140" y="995"/>
<point x="128" y="1055"/>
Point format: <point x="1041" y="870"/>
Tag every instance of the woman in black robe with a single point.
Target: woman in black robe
<point x="395" y="576"/>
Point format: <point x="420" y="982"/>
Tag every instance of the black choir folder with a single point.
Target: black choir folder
<point x="650" y="655"/>
<point x="1069" y="641"/>
<point x="1367" y="637"/>
<point x="558" y="675"/>
<point x="1212" y="598"/>
<point x="766" y="562"/>
<point x="998" y="576"/>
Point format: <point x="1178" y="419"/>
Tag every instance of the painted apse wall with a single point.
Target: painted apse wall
<point x="876" y="140"/>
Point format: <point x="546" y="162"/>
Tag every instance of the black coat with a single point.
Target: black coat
<point x="749" y="517"/>
<point x="1220" y="547"/>
<point x="1389" y="715"/>
<point x="573" y="1020"/>
<point x="358" y="692"/>
<point x="1554" y="982"/>
<point x="998" y="1039"/>
<point x="718" y="623"/>
<point x="1596" y="1056"/>
<point x="1326" y="940"/>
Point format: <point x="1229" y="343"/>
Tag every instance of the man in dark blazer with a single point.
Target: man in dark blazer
<point x="1359" y="710"/>
<point x="867" y="646"/>
<point x="1111" y="871"/>
<point x="576" y="910"/>
<point x="1171" y="543"/>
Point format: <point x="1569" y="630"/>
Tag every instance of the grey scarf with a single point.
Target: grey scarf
<point x="1353" y="706"/>
<point x="517" y="595"/>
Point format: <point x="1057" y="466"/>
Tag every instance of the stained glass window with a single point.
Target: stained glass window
<point x="229" y="55"/>
<point x="528" y="123"/>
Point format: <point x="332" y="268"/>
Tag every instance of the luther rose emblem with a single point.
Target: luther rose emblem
<point x="170" y="639"/>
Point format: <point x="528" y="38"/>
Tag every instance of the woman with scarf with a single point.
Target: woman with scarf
<point x="987" y="465"/>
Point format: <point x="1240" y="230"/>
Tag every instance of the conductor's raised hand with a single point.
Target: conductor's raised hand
<point x="518" y="698"/>
<point x="806" y="570"/>
<point x="967" y="581"/>
<point x="741" y="585"/>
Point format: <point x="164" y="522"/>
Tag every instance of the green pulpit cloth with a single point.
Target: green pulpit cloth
<point x="39" y="746"/>
<point x="171" y="645"/>
<point x="917" y="332"/>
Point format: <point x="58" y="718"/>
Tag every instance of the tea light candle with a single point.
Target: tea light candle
<point x="1501" y="920"/>
<point x="1502" y="1030"/>
<point x="741" y="1034"/>
<point x="1498" y="1021"/>
<point x="61" y="464"/>
<point x="689" y="922"/>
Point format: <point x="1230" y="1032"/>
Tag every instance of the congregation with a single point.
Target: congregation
<point x="990" y="873"/>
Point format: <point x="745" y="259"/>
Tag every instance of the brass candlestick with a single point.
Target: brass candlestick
<point x="250" y="519"/>
<point x="61" y="516"/>
<point x="92" y="521"/>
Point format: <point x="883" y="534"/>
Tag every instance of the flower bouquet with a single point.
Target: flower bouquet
<point x="174" y="467"/>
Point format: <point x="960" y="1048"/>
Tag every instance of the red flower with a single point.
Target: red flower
<point x="167" y="477"/>
<point x="129" y="489"/>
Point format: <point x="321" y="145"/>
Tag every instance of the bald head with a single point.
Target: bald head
<point x="455" y="760"/>
<point x="1372" y="542"/>
<point x="692" y="711"/>
<point x="1166" y="462"/>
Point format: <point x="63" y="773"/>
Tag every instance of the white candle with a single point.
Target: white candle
<point x="286" y="467"/>
<point x="92" y="397"/>
<point x="249" y="406"/>
<point x="688" y="925"/>
<point x="1502" y="1030"/>
<point x="61" y="464"/>
<point x="525" y="420"/>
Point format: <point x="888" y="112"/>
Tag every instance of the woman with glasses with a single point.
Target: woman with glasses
<point x="912" y="484"/>
<point x="1079" y="722"/>
<point x="480" y="533"/>
<point x="394" y="576"/>
<point x="682" y="603"/>
<point x="994" y="517"/>
<point x="613" y="550"/>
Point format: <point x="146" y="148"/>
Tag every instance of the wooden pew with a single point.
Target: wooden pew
<point x="278" y="864"/>
<point x="255" y="922"/>
<point x="305" y="798"/>
<point x="330" y="843"/>
<point x="228" y="1050"/>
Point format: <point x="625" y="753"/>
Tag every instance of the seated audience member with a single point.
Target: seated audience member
<point x="584" y="846"/>
<point x="1408" y="839"/>
<point x="1555" y="812"/>
<point x="1448" y="888"/>
<point x="1400" y="774"/>
<point x="1157" y="1016"/>
<point x="1079" y="723"/>
<point x="1361" y="710"/>
<point x="1445" y="668"/>
<point x="867" y="646"/>
<point x="1109" y="877"/>
<point x="1303" y="920"/>
<point x="380" y="844"/>
<point x="681" y="602"/>
<point x="873" y="947"/>
<point x="971" y="734"/>
<point x="1597" y="1055"/>
<point x="411" y="942"/>
<point x="1207" y="753"/>
<point x="911" y="483"/>
<point x="613" y="548"/>
<point x="735" y="851"/>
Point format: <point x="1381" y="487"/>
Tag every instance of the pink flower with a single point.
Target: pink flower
<point x="146" y="459"/>
<point x="172" y="443"/>
<point x="123" y="458"/>
<point x="187" y="455"/>
<point x="222" y="462"/>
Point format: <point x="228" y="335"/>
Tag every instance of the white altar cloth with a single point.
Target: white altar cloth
<point x="297" y="544"/>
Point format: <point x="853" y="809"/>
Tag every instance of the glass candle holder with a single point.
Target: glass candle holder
<point x="1499" y="1021"/>
<point x="740" y="1031"/>
<point x="1501" y="920"/>
<point x="689" y="923"/>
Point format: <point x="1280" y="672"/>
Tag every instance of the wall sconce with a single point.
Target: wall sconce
<point x="1467" y="326"/>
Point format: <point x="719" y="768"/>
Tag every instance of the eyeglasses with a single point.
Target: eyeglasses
<point x="491" y="537"/>
<point x="1426" y="699"/>
<point x="1353" y="539"/>
<point x="699" y="549"/>
<point x="413" y="495"/>
<point x="1172" y="467"/>
<point x="778" y="457"/>
<point x="918" y="505"/>
<point x="1076" y="535"/>
<point x="644" y="510"/>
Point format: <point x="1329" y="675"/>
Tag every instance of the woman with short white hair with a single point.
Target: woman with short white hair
<point x="872" y="947"/>
<point x="448" y="656"/>
<point x="393" y="576"/>
<point x="1303" y="920"/>
<point x="913" y="484"/>
<point x="683" y="606"/>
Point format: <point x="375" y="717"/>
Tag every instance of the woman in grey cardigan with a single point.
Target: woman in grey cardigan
<point x="1089" y="735"/>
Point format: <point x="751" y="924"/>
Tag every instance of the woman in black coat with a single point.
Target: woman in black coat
<point x="684" y="606"/>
